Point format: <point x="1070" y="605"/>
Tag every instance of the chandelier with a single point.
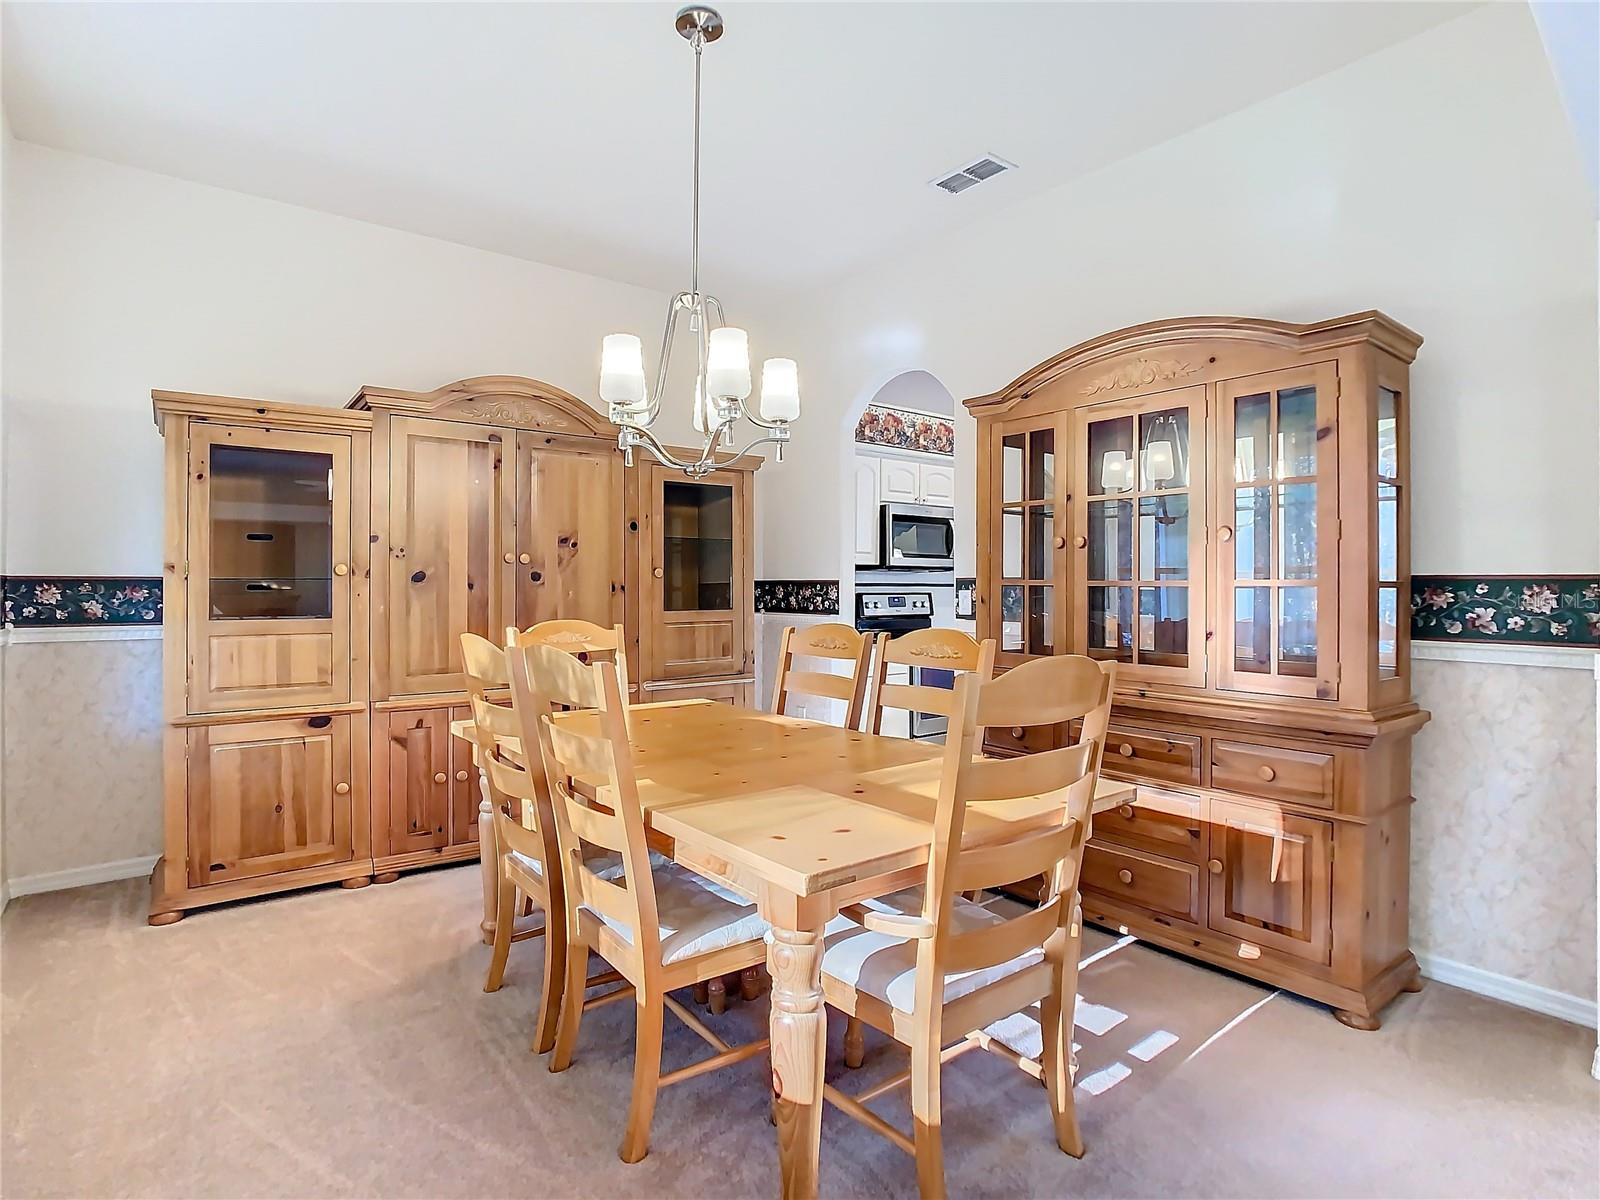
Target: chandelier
<point x="722" y="371"/>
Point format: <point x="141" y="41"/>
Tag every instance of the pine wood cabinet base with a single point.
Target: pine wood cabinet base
<point x="169" y="905"/>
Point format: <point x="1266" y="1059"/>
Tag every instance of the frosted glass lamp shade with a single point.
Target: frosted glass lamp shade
<point x="728" y="363"/>
<point x="1158" y="465"/>
<point x="780" y="390"/>
<point x="1116" y="472"/>
<point x="622" y="370"/>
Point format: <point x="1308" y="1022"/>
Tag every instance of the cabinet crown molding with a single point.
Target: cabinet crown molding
<point x="1175" y="351"/>
<point x="494" y="399"/>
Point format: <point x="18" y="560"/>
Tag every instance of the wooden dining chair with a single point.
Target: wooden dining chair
<point x="930" y="649"/>
<point x="660" y="929"/>
<point x="594" y="642"/>
<point x="934" y="974"/>
<point x="484" y="664"/>
<point x="833" y="641"/>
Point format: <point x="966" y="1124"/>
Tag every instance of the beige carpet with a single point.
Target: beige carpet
<point x="339" y="1044"/>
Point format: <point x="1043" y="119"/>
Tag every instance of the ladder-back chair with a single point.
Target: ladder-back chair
<point x="661" y="929"/>
<point x="940" y="972"/>
<point x="834" y="641"/>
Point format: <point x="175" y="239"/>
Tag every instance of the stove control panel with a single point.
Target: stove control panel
<point x="895" y="604"/>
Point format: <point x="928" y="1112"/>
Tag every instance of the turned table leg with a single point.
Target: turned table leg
<point x="488" y="862"/>
<point x="798" y="1030"/>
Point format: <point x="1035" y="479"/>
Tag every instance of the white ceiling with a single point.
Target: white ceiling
<point x="560" y="132"/>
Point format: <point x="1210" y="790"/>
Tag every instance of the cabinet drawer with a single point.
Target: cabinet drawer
<point x="1128" y="876"/>
<point x="1019" y="739"/>
<point x="1276" y="772"/>
<point x="1160" y="821"/>
<point x="1150" y="754"/>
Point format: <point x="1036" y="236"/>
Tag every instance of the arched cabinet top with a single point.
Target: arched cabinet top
<point x="1184" y="350"/>
<point x="496" y="400"/>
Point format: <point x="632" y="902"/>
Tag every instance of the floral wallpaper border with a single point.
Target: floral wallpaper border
<point x="906" y="429"/>
<point x="809" y="597"/>
<point x="58" y="601"/>
<point x="1532" y="610"/>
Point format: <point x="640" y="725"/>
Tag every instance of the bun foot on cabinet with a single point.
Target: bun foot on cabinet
<point x="360" y="881"/>
<point x="166" y="918"/>
<point x="1414" y="984"/>
<point x="386" y="877"/>
<point x="1356" y="1020"/>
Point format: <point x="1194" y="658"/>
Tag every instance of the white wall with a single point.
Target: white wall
<point x="1436" y="180"/>
<point x="119" y="281"/>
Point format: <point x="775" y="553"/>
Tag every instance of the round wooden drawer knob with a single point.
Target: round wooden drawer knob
<point x="340" y="569"/>
<point x="1126" y="812"/>
<point x="659" y="572"/>
<point x="440" y="777"/>
<point x="1061" y="543"/>
<point x="1214" y="866"/>
<point x="1267" y="774"/>
<point x="1016" y="731"/>
<point x="1126" y="750"/>
<point x="524" y="559"/>
<point x="342" y="788"/>
<point x="508" y="557"/>
<point x="461" y="776"/>
<point x="1125" y="875"/>
<point x="1226" y="533"/>
<point x="1080" y="541"/>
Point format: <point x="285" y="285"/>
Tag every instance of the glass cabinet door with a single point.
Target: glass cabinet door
<point x="1027" y="569"/>
<point x="269" y="568"/>
<point x="1277" y="539"/>
<point x="699" y="586"/>
<point x="1140" y="535"/>
<point x="1394" y="550"/>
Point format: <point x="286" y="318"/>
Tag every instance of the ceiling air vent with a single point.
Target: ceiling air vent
<point x="973" y="174"/>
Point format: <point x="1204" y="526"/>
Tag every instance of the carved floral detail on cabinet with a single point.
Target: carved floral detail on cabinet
<point x="1141" y="372"/>
<point x="512" y="412"/>
<point x="1537" y="610"/>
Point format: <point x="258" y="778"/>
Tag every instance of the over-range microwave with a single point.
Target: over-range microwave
<point x="918" y="535"/>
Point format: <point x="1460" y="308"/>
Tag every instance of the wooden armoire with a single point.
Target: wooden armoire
<point x="1221" y="506"/>
<point x="321" y="564"/>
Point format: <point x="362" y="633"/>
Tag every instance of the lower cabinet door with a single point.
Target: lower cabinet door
<point x="419" y="780"/>
<point x="269" y="796"/>
<point x="464" y="792"/>
<point x="1270" y="879"/>
<point x="736" y="693"/>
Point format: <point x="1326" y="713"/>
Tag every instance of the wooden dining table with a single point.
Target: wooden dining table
<point x="803" y="818"/>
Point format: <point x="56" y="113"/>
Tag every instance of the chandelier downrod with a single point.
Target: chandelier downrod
<point x="722" y="368"/>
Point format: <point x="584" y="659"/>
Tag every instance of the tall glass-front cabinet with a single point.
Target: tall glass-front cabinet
<point x="1220" y="507"/>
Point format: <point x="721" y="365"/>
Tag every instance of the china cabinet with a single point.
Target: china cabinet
<point x="300" y="537"/>
<point x="1220" y="506"/>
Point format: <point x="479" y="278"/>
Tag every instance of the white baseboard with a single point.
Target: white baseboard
<point x="1513" y="991"/>
<point x="60" y="881"/>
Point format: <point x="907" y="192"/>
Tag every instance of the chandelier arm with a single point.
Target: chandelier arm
<point x="653" y="402"/>
<point x="643" y="439"/>
<point x="754" y="442"/>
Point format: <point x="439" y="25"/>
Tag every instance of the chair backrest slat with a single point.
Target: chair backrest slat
<point x="929" y="649"/>
<point x="989" y="947"/>
<point x="831" y="640"/>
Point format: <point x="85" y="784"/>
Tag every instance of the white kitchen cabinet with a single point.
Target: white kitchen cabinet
<point x="899" y="481"/>
<point x="937" y="483"/>
<point x="867" y="470"/>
